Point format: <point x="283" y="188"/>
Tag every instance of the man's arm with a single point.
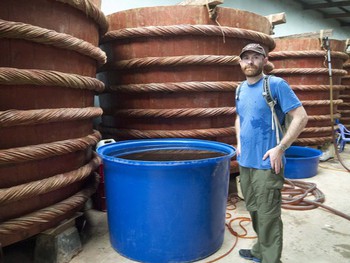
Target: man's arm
<point x="299" y="121"/>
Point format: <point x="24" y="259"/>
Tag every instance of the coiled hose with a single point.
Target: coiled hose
<point x="295" y="196"/>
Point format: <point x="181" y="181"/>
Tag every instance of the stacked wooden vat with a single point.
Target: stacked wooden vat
<point x="48" y="59"/>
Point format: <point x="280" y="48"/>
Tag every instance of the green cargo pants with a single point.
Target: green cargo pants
<point x="262" y="194"/>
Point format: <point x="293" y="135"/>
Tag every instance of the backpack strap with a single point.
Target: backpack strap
<point x="238" y="90"/>
<point x="271" y="103"/>
<point x="267" y="91"/>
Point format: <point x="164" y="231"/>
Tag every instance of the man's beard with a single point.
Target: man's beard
<point x="252" y="71"/>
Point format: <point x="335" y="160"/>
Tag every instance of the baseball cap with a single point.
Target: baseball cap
<point x="253" y="47"/>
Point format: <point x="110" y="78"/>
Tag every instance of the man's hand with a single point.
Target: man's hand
<point x="275" y="155"/>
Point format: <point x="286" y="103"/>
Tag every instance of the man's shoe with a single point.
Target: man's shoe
<point x="247" y="254"/>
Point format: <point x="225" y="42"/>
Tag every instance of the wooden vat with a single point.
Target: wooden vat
<point x="344" y="108"/>
<point x="48" y="61"/>
<point x="172" y="71"/>
<point x="302" y="62"/>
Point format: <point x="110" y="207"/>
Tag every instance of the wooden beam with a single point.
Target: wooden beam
<point x="201" y="2"/>
<point x="344" y="24"/>
<point x="277" y="19"/>
<point x="319" y="34"/>
<point x="338" y="15"/>
<point x="327" y="5"/>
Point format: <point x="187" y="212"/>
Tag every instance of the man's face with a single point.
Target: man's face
<point x="252" y="63"/>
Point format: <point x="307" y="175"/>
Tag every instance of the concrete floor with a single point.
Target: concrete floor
<point x="309" y="236"/>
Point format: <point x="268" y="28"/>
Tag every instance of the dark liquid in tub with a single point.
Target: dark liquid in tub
<point x="171" y="155"/>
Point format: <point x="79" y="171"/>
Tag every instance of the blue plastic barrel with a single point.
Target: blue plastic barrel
<point x="301" y="162"/>
<point x="171" y="209"/>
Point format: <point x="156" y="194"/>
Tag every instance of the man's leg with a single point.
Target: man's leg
<point x="246" y="177"/>
<point x="256" y="249"/>
<point x="267" y="186"/>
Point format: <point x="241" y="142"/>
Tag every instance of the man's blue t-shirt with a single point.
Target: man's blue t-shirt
<point x="256" y="134"/>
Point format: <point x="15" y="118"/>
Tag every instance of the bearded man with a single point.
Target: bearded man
<point x="260" y="154"/>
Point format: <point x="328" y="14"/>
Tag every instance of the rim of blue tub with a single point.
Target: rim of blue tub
<point x="318" y="153"/>
<point x="159" y="144"/>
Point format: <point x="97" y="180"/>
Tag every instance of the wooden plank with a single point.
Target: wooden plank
<point x="326" y="5"/>
<point x="319" y="34"/>
<point x="277" y="19"/>
<point x="201" y="2"/>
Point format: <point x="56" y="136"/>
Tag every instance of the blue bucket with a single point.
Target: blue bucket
<point x="301" y="162"/>
<point x="166" y="198"/>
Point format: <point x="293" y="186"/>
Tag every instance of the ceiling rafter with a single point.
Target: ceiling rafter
<point x="338" y="15"/>
<point x="324" y="9"/>
<point x="326" y="5"/>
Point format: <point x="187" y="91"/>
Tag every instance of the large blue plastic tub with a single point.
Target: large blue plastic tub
<point x="166" y="205"/>
<point x="302" y="162"/>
